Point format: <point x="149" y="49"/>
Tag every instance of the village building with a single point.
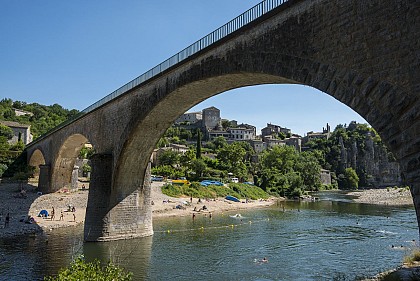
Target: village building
<point x="189" y="117"/>
<point x="20" y="112"/>
<point x="325" y="134"/>
<point x="179" y="148"/>
<point x="272" y="129"/>
<point x="20" y="132"/>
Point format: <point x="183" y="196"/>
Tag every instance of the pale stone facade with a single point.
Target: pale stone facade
<point x="20" y="131"/>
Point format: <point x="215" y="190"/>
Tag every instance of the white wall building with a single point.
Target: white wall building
<point x="241" y="134"/>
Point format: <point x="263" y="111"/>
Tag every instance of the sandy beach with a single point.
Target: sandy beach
<point x="163" y="206"/>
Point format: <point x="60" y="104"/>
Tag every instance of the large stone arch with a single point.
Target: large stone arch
<point x="364" y="94"/>
<point x="62" y="170"/>
<point x="377" y="101"/>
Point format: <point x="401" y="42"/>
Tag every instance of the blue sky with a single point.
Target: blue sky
<point x="76" y="52"/>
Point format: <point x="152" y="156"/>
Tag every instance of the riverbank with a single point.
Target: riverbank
<point x="19" y="207"/>
<point x="31" y="203"/>
<point x="389" y="196"/>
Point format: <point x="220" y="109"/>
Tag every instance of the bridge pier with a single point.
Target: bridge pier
<point x="97" y="218"/>
<point x="44" y="178"/>
<point x="111" y="214"/>
<point x="415" y="192"/>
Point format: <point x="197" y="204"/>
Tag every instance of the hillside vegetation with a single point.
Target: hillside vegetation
<point x="43" y="119"/>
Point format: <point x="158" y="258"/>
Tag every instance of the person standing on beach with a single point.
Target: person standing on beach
<point x="61" y="216"/>
<point x="52" y="213"/>
<point x="74" y="217"/>
<point x="6" y="222"/>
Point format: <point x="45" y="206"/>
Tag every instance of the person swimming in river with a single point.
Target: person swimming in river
<point x="263" y="260"/>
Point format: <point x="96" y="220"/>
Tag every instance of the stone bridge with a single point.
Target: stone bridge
<point x="365" y="54"/>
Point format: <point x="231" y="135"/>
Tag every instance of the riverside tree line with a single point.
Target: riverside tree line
<point x="280" y="171"/>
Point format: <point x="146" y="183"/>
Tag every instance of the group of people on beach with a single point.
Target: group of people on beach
<point x="71" y="208"/>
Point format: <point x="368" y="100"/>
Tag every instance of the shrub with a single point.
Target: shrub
<point x="79" y="269"/>
<point x="413" y="257"/>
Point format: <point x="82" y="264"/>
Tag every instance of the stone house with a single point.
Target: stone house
<point x="179" y="148"/>
<point x="190" y="117"/>
<point x="20" y="132"/>
<point x="274" y="129"/>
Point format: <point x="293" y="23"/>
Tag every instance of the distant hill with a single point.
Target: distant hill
<point x="42" y="118"/>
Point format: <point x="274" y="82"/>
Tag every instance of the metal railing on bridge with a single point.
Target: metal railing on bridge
<point x="223" y="31"/>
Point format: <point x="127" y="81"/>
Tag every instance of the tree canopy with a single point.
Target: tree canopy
<point x="44" y="118"/>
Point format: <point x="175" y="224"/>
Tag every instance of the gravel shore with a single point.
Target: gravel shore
<point x="390" y="196"/>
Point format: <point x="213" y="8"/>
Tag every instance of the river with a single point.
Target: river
<point x="330" y="239"/>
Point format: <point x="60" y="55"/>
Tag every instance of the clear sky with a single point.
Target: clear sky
<point x="76" y="52"/>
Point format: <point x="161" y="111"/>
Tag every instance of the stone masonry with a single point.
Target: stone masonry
<point x="365" y="54"/>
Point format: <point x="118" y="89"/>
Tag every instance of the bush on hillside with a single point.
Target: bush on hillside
<point x="213" y="191"/>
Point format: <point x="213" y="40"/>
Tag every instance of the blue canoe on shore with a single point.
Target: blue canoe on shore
<point x="232" y="198"/>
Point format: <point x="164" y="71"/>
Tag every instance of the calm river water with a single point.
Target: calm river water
<point x="331" y="239"/>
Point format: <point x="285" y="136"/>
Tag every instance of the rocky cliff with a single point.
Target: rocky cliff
<point x="374" y="164"/>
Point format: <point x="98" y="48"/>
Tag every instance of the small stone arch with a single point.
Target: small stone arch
<point x="63" y="169"/>
<point x="36" y="160"/>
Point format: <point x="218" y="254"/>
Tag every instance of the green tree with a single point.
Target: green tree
<point x="226" y="124"/>
<point x="232" y="159"/>
<point x="281" y="136"/>
<point x="86" y="168"/>
<point x="19" y="146"/>
<point x="280" y="158"/>
<point x="186" y="158"/>
<point x="6" y="132"/>
<point x="349" y="180"/>
<point x="198" y="166"/>
<point x="198" y="148"/>
<point x="309" y="169"/>
<point x="86" y="152"/>
<point x="219" y="142"/>
<point x="163" y="142"/>
<point x="286" y="172"/>
<point x="169" y="158"/>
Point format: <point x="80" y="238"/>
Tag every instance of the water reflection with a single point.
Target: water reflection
<point x="133" y="254"/>
<point x="34" y="256"/>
